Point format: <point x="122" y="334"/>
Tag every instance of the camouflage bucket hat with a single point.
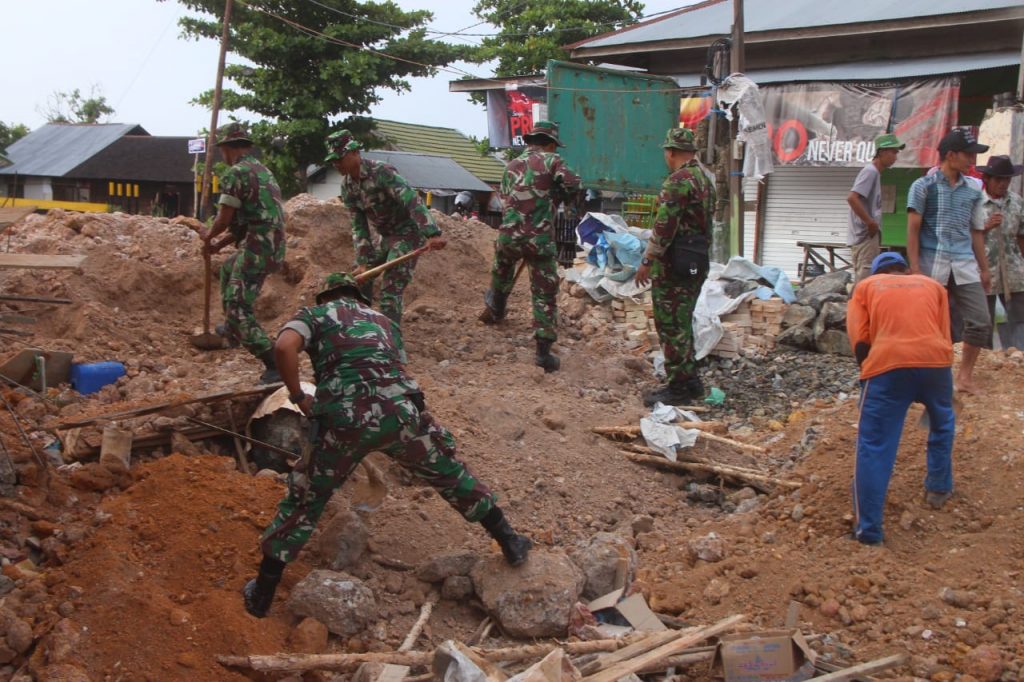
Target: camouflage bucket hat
<point x="232" y="132"/>
<point x="543" y="129"/>
<point x="683" y="139"/>
<point x="341" y="280"/>
<point x="339" y="144"/>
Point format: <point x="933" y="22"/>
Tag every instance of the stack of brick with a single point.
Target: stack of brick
<point x="750" y="330"/>
<point x="635" y="319"/>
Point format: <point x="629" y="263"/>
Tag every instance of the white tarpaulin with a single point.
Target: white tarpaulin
<point x="753" y="129"/>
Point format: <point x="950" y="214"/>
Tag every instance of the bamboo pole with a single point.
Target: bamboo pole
<point x="864" y="668"/>
<point x="755" y="479"/>
<point x="417" y="627"/>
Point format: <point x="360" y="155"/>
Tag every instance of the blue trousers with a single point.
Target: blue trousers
<point x="885" y="400"/>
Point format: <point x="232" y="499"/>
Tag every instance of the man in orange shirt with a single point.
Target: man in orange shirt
<point x="899" y="330"/>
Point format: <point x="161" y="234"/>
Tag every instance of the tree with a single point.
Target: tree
<point x="311" y="62"/>
<point x="73" y="107"/>
<point x="9" y="134"/>
<point x="533" y="31"/>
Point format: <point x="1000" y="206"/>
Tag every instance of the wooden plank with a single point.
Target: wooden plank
<point x="685" y="640"/>
<point x="158" y="407"/>
<point x="875" y="666"/>
<point x="627" y="652"/>
<point x="35" y="261"/>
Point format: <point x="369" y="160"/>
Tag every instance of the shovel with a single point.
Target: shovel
<point x="363" y="277"/>
<point x="207" y="340"/>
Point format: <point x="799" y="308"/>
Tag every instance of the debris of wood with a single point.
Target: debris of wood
<point x="492" y="673"/>
<point x="877" y="665"/>
<point x="754" y="479"/>
<point x="481" y="632"/>
<point x="621" y="432"/>
<point x="629" y="432"/>
<point x="348" y="662"/>
<point x="243" y="458"/>
<point x="417" y="627"/>
<point x="388" y="562"/>
<point x="159" y="407"/>
<point x="34" y="261"/>
<point x="684" y="640"/>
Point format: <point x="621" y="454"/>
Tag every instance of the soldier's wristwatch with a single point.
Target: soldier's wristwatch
<point x="645" y="261"/>
<point x="296" y="398"/>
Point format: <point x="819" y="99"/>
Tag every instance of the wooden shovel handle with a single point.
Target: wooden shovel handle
<point x="374" y="271"/>
<point x="207" y="276"/>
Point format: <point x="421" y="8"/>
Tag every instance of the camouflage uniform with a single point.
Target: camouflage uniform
<point x="533" y="184"/>
<point x="402" y="220"/>
<point x="258" y="227"/>
<point x="685" y="207"/>
<point x="364" y="401"/>
<point x="1012" y="209"/>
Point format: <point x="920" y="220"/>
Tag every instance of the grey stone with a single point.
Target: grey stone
<point x="457" y="587"/>
<point x="832" y="316"/>
<point x="829" y="283"/>
<point x="343" y="603"/>
<point x="710" y="548"/>
<point x="797" y="337"/>
<point x="441" y="566"/>
<point x="343" y="540"/>
<point x="19" y="635"/>
<point x="798" y="315"/>
<point x="817" y="302"/>
<point x="6" y="584"/>
<point x="600" y="560"/>
<point x="533" y="600"/>
<point x="833" y="342"/>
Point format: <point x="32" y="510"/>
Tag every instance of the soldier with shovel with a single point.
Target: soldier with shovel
<point x="251" y="210"/>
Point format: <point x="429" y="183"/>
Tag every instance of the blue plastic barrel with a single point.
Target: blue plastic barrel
<point x="89" y="377"/>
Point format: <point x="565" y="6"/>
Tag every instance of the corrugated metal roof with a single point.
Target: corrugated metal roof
<point x="885" y="69"/>
<point x="4" y="161"/>
<point x="430" y="171"/>
<point x="56" y="148"/>
<point x="410" y="137"/>
<point x="139" y="158"/>
<point x="715" y="18"/>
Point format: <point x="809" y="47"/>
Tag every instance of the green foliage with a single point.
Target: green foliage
<point x="74" y="107"/>
<point x="534" y="31"/>
<point x="304" y="86"/>
<point x="9" y="134"/>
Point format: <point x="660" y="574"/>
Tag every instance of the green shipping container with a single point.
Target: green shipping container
<point x="612" y="124"/>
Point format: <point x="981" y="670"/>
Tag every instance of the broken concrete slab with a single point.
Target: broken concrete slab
<point x="343" y="603"/>
<point x="608" y="560"/>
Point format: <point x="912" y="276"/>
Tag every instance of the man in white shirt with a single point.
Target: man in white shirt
<point x="864" y="234"/>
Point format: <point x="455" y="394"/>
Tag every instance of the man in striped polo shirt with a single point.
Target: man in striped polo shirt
<point x="947" y="243"/>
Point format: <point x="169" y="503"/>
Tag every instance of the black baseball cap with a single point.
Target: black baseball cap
<point x="960" y="140"/>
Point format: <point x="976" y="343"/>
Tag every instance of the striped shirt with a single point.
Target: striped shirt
<point x="947" y="219"/>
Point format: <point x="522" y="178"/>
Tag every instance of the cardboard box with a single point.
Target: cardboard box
<point x="766" y="656"/>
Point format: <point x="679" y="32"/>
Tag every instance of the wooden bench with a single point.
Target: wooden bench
<point x="823" y="254"/>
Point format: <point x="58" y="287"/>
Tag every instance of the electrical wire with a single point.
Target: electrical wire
<point x="447" y="69"/>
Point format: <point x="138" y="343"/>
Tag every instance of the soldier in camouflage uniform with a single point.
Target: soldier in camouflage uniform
<point x="533" y="185"/>
<point x="1001" y="212"/>
<point x="250" y="210"/>
<point x="365" y="401"/>
<point x="676" y="262"/>
<point x="375" y="192"/>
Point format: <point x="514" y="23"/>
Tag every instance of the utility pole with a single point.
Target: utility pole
<point x="212" y="135"/>
<point x="737" y="65"/>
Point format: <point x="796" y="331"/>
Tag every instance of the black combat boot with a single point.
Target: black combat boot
<point x="258" y="593"/>
<point x="544" y="358"/>
<point x="270" y="375"/>
<point x="515" y="547"/>
<point x="494" y="307"/>
<point x="678" y="392"/>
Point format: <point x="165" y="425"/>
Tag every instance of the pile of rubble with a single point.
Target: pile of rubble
<point x="817" y="321"/>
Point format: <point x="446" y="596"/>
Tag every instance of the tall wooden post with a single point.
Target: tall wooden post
<point x="212" y="135"/>
<point x="737" y="65"/>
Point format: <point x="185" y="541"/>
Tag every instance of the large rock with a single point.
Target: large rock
<point x="797" y="337"/>
<point x="608" y="561"/>
<point x="532" y="600"/>
<point x="832" y="316"/>
<point x="442" y="566"/>
<point x="831" y="283"/>
<point x="343" y="540"/>
<point x="798" y="315"/>
<point x="818" y="302"/>
<point x="339" y="601"/>
<point x="834" y="342"/>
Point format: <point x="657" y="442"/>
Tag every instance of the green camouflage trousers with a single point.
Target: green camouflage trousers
<point x="674" y="300"/>
<point x="348" y="432"/>
<point x="538" y="252"/>
<point x="394" y="281"/>
<point x="241" y="278"/>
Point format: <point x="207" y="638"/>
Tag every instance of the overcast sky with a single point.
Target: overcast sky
<point x="131" y="50"/>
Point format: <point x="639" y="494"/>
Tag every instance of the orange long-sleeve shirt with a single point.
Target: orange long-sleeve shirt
<point x="905" y="319"/>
